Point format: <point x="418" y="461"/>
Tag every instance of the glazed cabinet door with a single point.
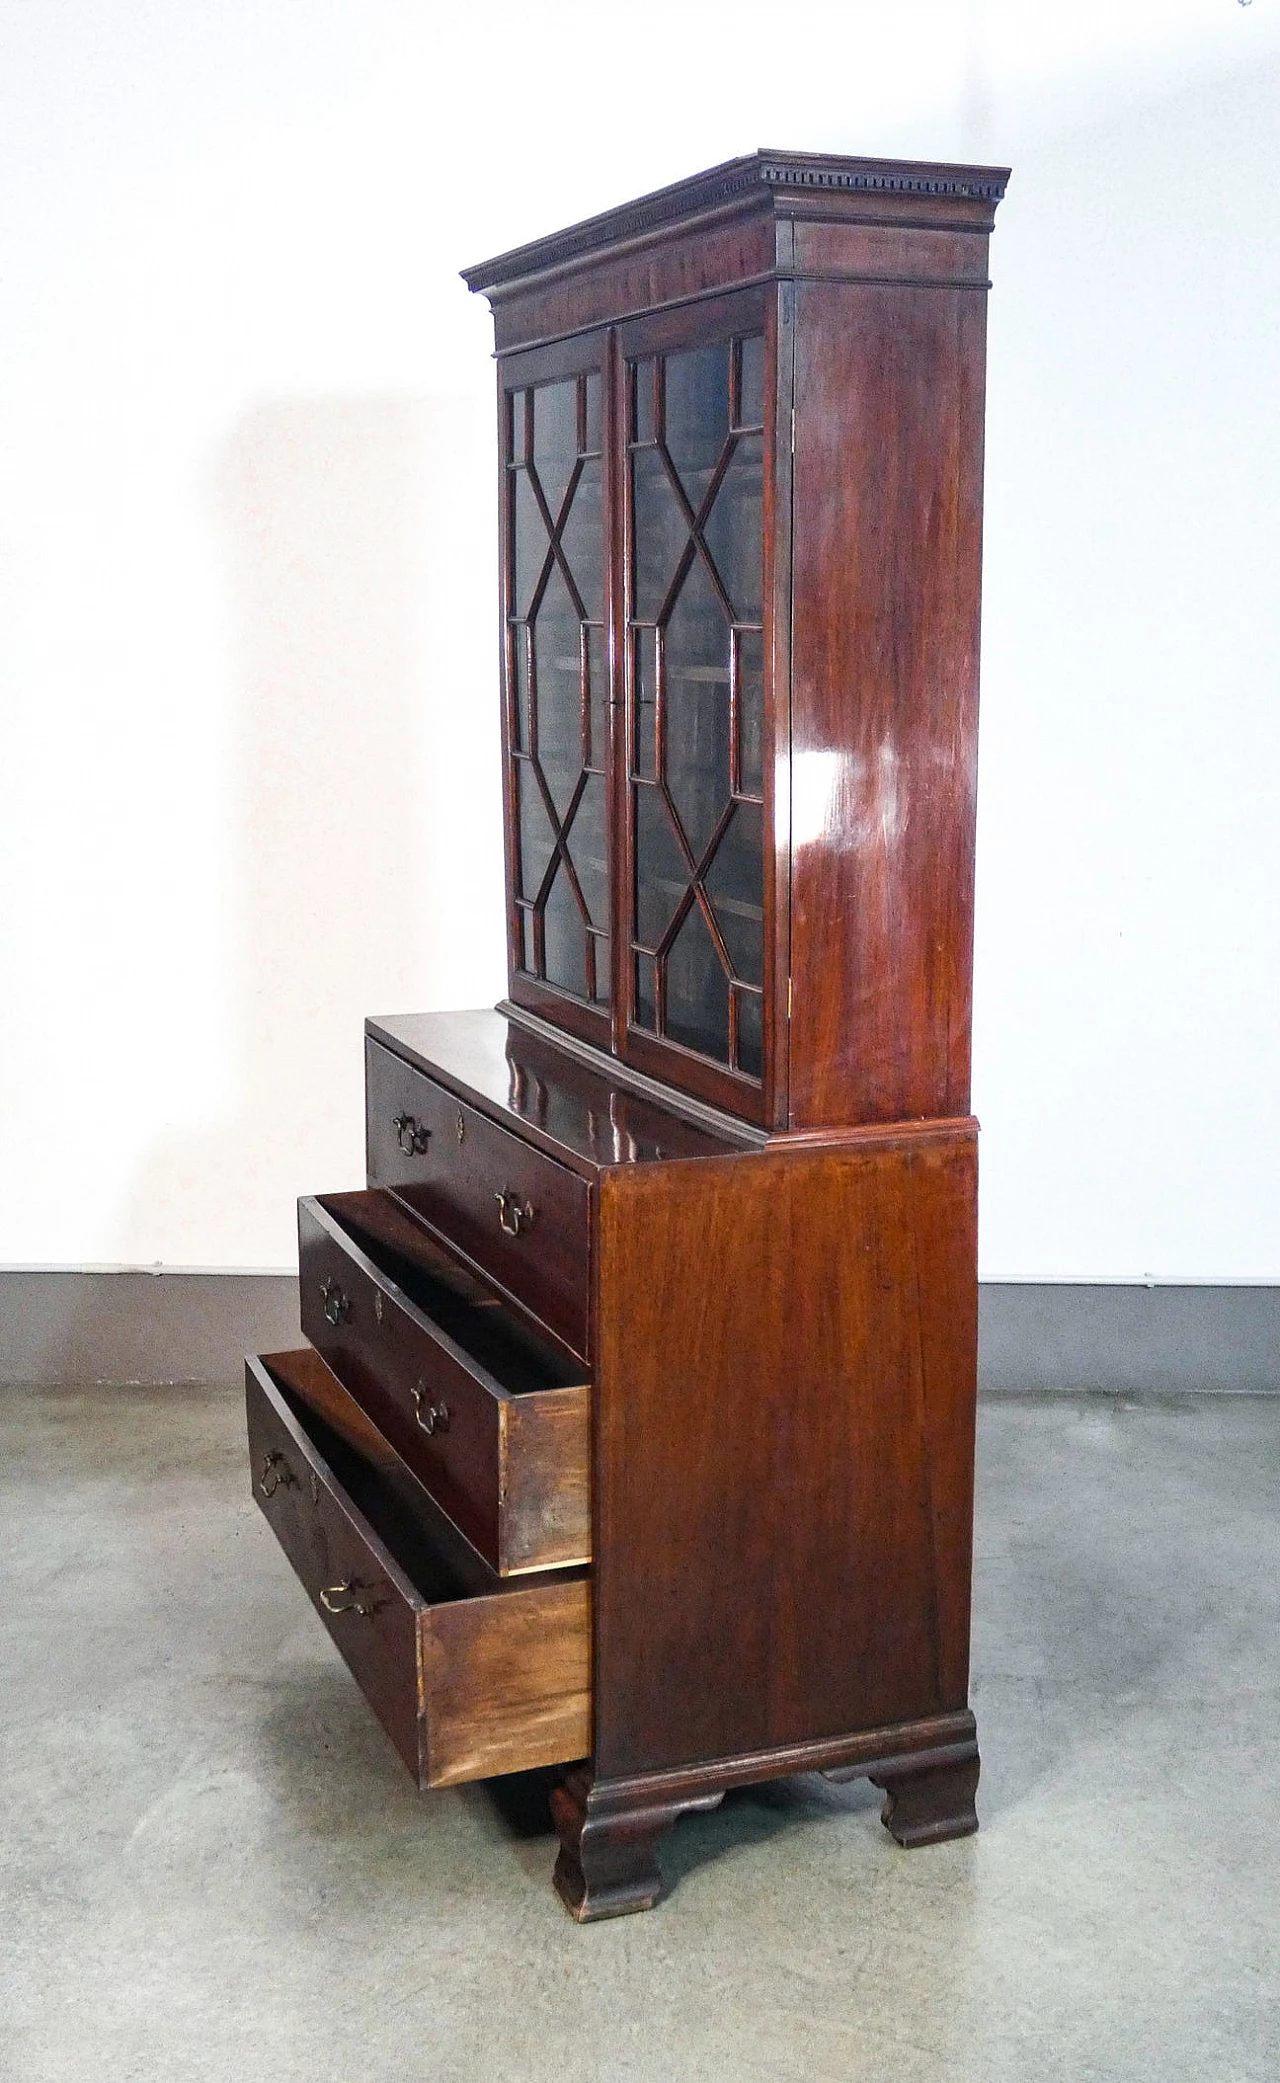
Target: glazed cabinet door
<point x="696" y="911"/>
<point x="553" y="420"/>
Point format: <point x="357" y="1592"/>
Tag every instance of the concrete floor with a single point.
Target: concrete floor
<point x="213" y="1866"/>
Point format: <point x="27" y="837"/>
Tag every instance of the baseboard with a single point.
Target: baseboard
<point x="153" y="1329"/>
<point x="150" y="1329"/>
<point x="1127" y="1340"/>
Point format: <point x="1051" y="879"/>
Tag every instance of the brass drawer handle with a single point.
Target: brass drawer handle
<point x="514" y="1214"/>
<point x="337" y="1306"/>
<point x="276" y="1474"/>
<point x="411" y="1134"/>
<point x="349" y="1589"/>
<point x="436" y="1417"/>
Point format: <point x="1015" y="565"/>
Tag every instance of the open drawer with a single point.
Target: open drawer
<point x="490" y="1418"/>
<point x="468" y="1674"/>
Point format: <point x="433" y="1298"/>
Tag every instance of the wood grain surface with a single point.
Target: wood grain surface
<point x="784" y="1448"/>
<point x="888" y="479"/>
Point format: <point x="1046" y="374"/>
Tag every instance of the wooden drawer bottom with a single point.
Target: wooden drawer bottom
<point x="469" y="1674"/>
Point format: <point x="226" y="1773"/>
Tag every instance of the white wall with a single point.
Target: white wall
<point x="247" y="622"/>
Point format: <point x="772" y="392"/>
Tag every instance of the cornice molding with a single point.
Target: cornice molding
<point x="762" y="174"/>
<point x="973" y="183"/>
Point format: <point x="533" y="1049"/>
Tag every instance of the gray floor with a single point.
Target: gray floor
<point x="212" y="1865"/>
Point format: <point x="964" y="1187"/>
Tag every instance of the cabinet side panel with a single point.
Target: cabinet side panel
<point x="886" y="563"/>
<point x="784" y="1448"/>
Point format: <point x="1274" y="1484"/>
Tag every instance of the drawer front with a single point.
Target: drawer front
<point x="515" y="1213"/>
<point x="507" y="1461"/>
<point x="466" y="1686"/>
<point x="369" y="1607"/>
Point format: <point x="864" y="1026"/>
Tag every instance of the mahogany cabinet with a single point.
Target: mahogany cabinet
<point x="634" y="1433"/>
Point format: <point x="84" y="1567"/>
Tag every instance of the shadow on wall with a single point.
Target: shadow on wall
<point x="321" y="505"/>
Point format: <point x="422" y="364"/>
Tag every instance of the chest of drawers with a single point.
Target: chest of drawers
<point x="731" y="1543"/>
<point x="633" y="1431"/>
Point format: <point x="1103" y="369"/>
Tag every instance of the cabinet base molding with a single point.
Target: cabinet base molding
<point x="610" y="1829"/>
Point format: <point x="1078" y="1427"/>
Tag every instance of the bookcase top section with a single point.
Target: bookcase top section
<point x="782" y="184"/>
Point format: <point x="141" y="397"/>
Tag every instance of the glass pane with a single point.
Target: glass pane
<point x="565" y="938"/>
<point x="582" y="540"/>
<point x="560" y="683"/>
<point x="530" y="541"/>
<point x="751" y="711"/>
<point x="643" y="423"/>
<point x="589" y="849"/>
<point x="734" y="529"/>
<point x="557" y="640"/>
<point x="598" y="696"/>
<point x="697" y="991"/>
<point x="662" y="875"/>
<point x="646" y="992"/>
<point x="696" y="662"/>
<point x="604" y="982"/>
<point x="520" y="683"/>
<point x="646" y="671"/>
<point x="661" y="533"/>
<point x="696" y="422"/>
<point x="555" y="439"/>
<point x="752" y="409"/>
<point x="750" y="1033"/>
<point x="735" y="884"/>
<point x="537" y="843"/>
